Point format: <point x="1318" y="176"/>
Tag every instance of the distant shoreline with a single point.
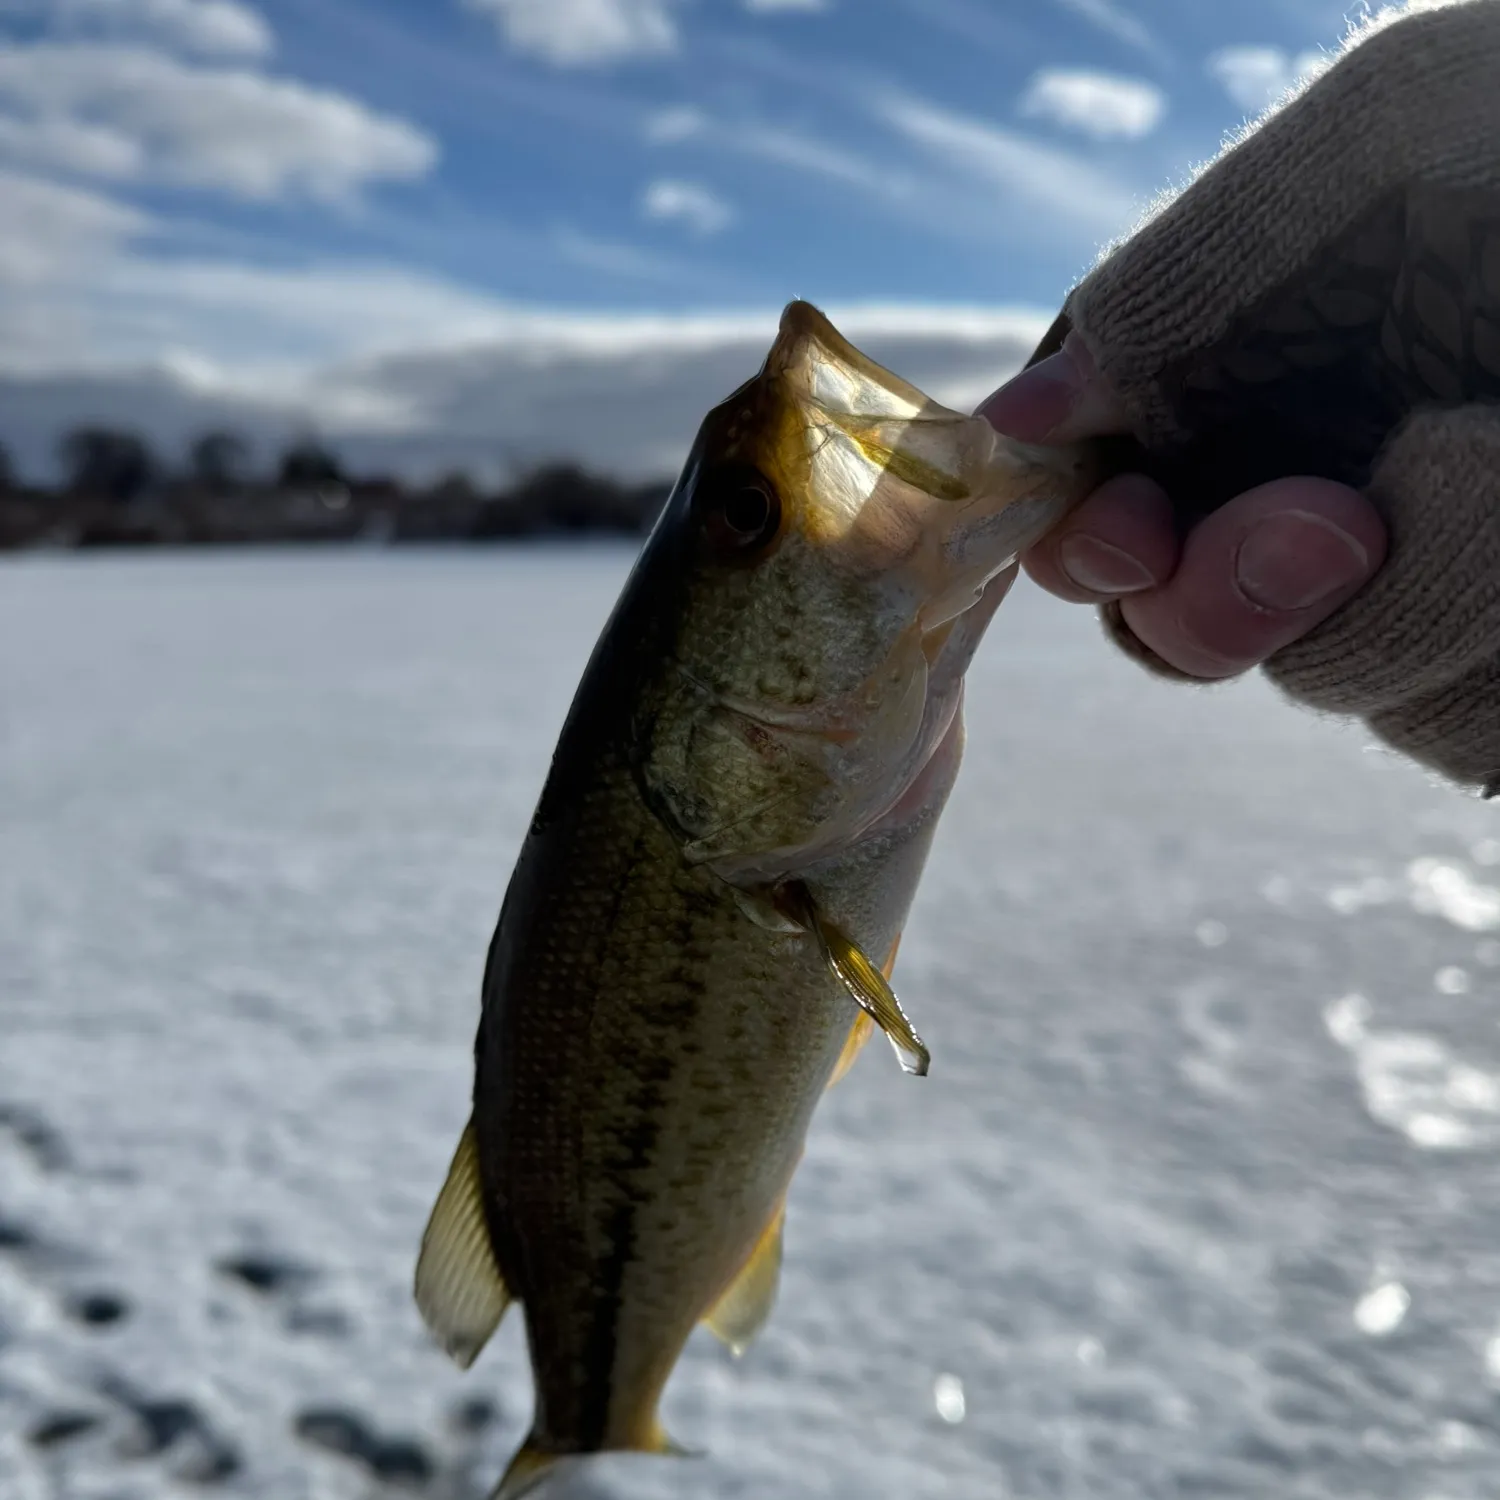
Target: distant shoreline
<point x="558" y="503"/>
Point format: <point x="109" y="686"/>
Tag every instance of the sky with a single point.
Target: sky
<point x="494" y="231"/>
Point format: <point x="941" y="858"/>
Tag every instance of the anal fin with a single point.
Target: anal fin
<point x="459" y="1289"/>
<point x="741" y="1312"/>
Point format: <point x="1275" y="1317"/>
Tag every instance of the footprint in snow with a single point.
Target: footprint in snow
<point x="401" y="1460"/>
<point x="36" y="1138"/>
<point x="287" y="1283"/>
<point x="174" y="1432"/>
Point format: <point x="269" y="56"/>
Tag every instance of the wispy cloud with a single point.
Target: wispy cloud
<point x="1102" y="105"/>
<point x="1256" y="77"/>
<point x="615" y="257"/>
<point x="766" y="7"/>
<point x="779" y="144"/>
<point x="507" y="385"/>
<point x="1066" y="188"/>
<point x="218" y="28"/>
<point x="55" y="232"/>
<point x="688" y="203"/>
<point x="807" y="153"/>
<point x="584" y="33"/>
<point x="678" y="122"/>
<point x="1117" y="21"/>
<point x="131" y="114"/>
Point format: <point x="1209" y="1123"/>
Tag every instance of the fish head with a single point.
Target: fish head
<point x="840" y="541"/>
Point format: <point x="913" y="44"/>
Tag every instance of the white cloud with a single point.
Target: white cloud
<point x="580" y="33"/>
<point x="766" y="7"/>
<point x="1097" y="104"/>
<point x="1065" y="189"/>
<point x="1256" y="77"/>
<point x="686" y="203"/>
<point x="506" y="386"/>
<point x="219" y="28"/>
<point x="53" y="233"/>
<point x="131" y="114"/>
<point x="69" y="145"/>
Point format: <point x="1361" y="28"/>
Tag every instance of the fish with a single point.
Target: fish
<point x="700" y="928"/>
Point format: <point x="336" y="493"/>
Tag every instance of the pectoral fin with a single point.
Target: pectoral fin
<point x="869" y="987"/>
<point x="859" y="1032"/>
<point x="742" y="1311"/>
<point x="458" y="1285"/>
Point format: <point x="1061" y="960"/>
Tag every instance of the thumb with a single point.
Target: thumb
<point x="1060" y="399"/>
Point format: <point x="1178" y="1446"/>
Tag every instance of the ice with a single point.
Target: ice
<point x="1382" y="1309"/>
<point x="256" y="816"/>
<point x="1449" y="891"/>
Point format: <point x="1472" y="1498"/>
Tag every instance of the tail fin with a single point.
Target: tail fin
<point x="531" y="1468"/>
<point x="534" y="1465"/>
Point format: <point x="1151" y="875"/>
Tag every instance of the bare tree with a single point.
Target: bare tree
<point x="308" y="464"/>
<point x="219" y="459"/>
<point x="107" y="462"/>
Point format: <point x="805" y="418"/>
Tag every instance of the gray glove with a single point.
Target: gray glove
<point x="1325" y="299"/>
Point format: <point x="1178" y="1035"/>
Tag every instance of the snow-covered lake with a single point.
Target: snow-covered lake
<point x="1202" y="1198"/>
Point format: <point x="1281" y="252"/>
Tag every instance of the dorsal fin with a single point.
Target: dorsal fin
<point x="459" y="1289"/>
<point x="742" y="1311"/>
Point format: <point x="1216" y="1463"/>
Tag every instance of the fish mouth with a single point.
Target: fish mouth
<point x="840" y="379"/>
<point x="902" y="480"/>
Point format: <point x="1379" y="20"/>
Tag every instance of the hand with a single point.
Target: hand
<point x="1256" y="575"/>
<point x="1324" y="298"/>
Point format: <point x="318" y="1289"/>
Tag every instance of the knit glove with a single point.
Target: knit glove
<point x="1324" y="299"/>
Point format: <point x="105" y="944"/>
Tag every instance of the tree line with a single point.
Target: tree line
<point x="113" y="488"/>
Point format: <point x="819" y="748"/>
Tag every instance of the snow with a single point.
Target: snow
<point x="1200" y="1198"/>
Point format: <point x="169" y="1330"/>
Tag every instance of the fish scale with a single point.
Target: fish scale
<point x="702" y="1043"/>
<point x="735" y="820"/>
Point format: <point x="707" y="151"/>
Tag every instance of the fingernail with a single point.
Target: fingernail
<point x="1294" y="560"/>
<point x="1038" y="400"/>
<point x="1101" y="567"/>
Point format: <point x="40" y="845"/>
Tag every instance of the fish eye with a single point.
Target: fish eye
<point x="742" y="512"/>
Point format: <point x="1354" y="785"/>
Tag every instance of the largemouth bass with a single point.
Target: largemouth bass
<point x="699" y="931"/>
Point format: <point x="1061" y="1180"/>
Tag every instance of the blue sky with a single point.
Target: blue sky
<point x="234" y="192"/>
